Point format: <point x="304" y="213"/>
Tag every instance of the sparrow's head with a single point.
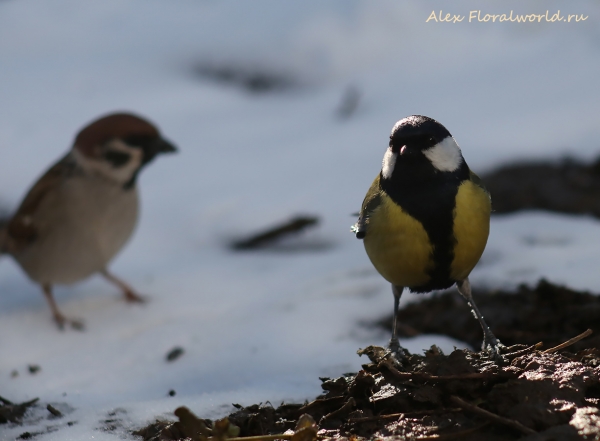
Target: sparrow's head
<point x="118" y="145"/>
<point x="420" y="144"/>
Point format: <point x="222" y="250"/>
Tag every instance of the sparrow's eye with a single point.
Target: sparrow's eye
<point x="117" y="159"/>
<point x="139" y="140"/>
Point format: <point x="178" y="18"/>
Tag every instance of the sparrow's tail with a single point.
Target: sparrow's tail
<point x="3" y="233"/>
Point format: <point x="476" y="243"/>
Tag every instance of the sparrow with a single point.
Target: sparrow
<point x="425" y="220"/>
<point x="83" y="210"/>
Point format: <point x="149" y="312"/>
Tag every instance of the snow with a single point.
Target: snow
<point x="258" y="326"/>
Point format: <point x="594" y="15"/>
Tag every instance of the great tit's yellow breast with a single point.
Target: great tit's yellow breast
<point x="398" y="245"/>
<point x="471" y="228"/>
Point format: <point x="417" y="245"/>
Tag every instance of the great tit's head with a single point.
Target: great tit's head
<point x="420" y="142"/>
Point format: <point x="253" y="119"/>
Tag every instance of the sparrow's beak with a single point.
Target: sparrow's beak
<point x="163" y="146"/>
<point x="156" y="147"/>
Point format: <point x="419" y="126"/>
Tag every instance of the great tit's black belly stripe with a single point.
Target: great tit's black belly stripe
<point x="432" y="203"/>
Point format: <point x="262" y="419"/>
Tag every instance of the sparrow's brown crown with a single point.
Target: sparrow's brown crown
<point x="113" y="126"/>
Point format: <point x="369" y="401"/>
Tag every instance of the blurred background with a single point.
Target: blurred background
<point x="279" y="109"/>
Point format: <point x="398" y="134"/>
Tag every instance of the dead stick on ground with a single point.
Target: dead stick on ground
<point x="54" y="411"/>
<point x="297" y="224"/>
<point x="262" y="437"/>
<point x="424" y="376"/>
<point x="346" y="407"/>
<point x="516" y="354"/>
<point x="568" y="342"/>
<point x="403" y="415"/>
<point x="259" y="437"/>
<point x="450" y="436"/>
<point x="492" y="416"/>
<point x="318" y="402"/>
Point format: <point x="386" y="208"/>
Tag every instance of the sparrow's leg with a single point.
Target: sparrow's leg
<point x="58" y="317"/>
<point x="490" y="342"/>
<point x="130" y="295"/>
<point x="395" y="347"/>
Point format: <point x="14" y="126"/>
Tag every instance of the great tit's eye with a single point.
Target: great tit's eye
<point x="117" y="159"/>
<point x="431" y="139"/>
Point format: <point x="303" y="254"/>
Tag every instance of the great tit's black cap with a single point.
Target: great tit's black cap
<point x="418" y="129"/>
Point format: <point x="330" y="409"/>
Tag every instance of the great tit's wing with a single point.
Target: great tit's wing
<point x="21" y="230"/>
<point x="370" y="203"/>
<point x="477" y="181"/>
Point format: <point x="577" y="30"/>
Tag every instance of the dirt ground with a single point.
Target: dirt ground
<point x="568" y="186"/>
<point x="546" y="313"/>
<point x="534" y="392"/>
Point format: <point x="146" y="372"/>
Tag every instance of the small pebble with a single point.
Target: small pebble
<point x="175" y="353"/>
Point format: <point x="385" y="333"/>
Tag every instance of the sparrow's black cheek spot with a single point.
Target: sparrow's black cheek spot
<point x="117" y="159"/>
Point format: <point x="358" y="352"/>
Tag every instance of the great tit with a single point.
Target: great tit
<point x="425" y="220"/>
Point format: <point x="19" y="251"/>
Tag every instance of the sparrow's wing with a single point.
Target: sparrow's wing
<point x="370" y="203"/>
<point x="21" y="229"/>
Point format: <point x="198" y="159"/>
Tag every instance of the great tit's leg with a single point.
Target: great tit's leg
<point x="490" y="342"/>
<point x="395" y="347"/>
<point x="57" y="315"/>
<point x="130" y="295"/>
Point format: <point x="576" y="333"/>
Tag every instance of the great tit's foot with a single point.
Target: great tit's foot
<point x="490" y="341"/>
<point x="397" y="351"/>
<point x="494" y="349"/>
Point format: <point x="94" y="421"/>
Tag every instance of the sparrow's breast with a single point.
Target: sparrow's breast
<point x="81" y="227"/>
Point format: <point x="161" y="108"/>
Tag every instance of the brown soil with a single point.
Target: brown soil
<point x="530" y="395"/>
<point x="569" y="186"/>
<point x="547" y="313"/>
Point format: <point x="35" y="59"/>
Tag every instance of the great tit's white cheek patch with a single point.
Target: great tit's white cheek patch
<point x="445" y="156"/>
<point x="389" y="162"/>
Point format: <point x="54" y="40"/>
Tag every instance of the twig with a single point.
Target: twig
<point x="468" y="376"/>
<point x="5" y="401"/>
<point x="402" y="415"/>
<point x="319" y="401"/>
<point x="261" y="437"/>
<point x="512" y="355"/>
<point x="568" y="342"/>
<point x="424" y="376"/>
<point x="492" y="416"/>
<point x="54" y="411"/>
<point x="452" y="435"/>
<point x="256" y="438"/>
<point x="296" y="224"/>
<point x="29" y="403"/>
<point x="346" y="407"/>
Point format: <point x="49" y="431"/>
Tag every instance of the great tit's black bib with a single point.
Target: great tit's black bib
<point x="429" y="196"/>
